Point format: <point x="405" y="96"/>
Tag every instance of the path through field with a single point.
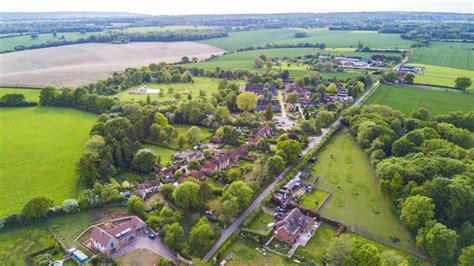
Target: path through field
<point x="73" y="65"/>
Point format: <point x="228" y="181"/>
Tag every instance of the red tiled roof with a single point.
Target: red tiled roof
<point x="101" y="236"/>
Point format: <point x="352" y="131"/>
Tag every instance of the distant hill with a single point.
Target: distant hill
<point x="65" y="14"/>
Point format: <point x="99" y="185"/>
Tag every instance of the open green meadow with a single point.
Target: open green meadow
<point x="183" y="89"/>
<point x="40" y="148"/>
<point x="313" y="200"/>
<point x="332" y="39"/>
<point x="443" y="76"/>
<point x="31" y="95"/>
<point x="436" y="101"/>
<point x="446" y="54"/>
<point x="345" y="170"/>
<point x="26" y="40"/>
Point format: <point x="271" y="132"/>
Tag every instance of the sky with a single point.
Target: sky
<point x="177" y="7"/>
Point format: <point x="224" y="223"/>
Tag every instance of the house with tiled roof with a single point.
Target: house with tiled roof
<point x="263" y="131"/>
<point x="295" y="88"/>
<point x="112" y="240"/>
<point x="293" y="225"/>
<point x="258" y="89"/>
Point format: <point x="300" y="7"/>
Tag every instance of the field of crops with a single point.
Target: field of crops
<point x="321" y="35"/>
<point x="407" y="99"/>
<point x="73" y="65"/>
<point x="454" y="55"/>
<point x="26" y="40"/>
<point x="40" y="147"/>
<point x="444" y="76"/>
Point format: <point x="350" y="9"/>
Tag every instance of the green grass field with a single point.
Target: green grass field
<point x="164" y="153"/>
<point x="332" y="39"/>
<point x="454" y="55"/>
<point x="207" y="84"/>
<point x="313" y="200"/>
<point x="246" y="60"/>
<point x="26" y="40"/>
<point x="30" y="94"/>
<point x="439" y="75"/>
<point x="356" y="197"/>
<point x="260" y="221"/>
<point x="40" y="148"/>
<point x="436" y="101"/>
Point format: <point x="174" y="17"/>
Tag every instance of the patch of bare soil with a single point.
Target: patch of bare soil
<point x="73" y="65"/>
<point x="139" y="257"/>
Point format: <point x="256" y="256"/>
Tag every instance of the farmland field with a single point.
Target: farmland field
<point x="73" y="65"/>
<point x="40" y="147"/>
<point x="332" y="39"/>
<point x="436" y="101"/>
<point x="344" y="169"/>
<point x="30" y="94"/>
<point x="207" y="84"/>
<point x="454" y="55"/>
<point x="26" y="40"/>
<point x="164" y="28"/>
<point x="439" y="75"/>
<point x="246" y="60"/>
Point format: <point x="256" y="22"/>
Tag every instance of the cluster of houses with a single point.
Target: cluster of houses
<point x="259" y="133"/>
<point x="293" y="190"/>
<point x="145" y="90"/>
<point x="265" y="96"/>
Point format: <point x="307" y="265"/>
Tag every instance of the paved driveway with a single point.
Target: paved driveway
<point x="144" y="242"/>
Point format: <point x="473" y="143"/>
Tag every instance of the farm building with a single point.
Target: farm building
<point x="145" y="90"/>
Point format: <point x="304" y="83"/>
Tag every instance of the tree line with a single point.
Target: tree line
<point x="425" y="166"/>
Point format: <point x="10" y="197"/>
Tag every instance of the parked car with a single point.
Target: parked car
<point x="152" y="236"/>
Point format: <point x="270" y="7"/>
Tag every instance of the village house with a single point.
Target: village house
<point x="293" y="225"/>
<point x="187" y="155"/>
<point x="263" y="131"/>
<point x="258" y="89"/>
<point x="147" y="188"/>
<point x="295" y="88"/>
<point x="112" y="240"/>
<point x="222" y="160"/>
<point x="262" y="105"/>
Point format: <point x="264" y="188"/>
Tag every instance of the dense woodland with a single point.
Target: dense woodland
<point x="426" y="169"/>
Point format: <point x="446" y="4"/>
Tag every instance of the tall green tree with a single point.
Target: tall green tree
<point x="144" y="160"/>
<point x="37" y="207"/>
<point x="247" y="101"/>
<point x="438" y="241"/>
<point x="174" y="234"/>
<point x="462" y="83"/>
<point x="269" y="112"/>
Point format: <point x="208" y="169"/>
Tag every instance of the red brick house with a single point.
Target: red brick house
<point x="292" y="226"/>
<point x="259" y="133"/>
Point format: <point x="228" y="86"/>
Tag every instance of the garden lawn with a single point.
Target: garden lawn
<point x="18" y="243"/>
<point x="207" y="84"/>
<point x="443" y="76"/>
<point x="261" y="221"/>
<point x="244" y="253"/>
<point x="313" y="200"/>
<point x="436" y="101"/>
<point x="314" y="249"/>
<point x="26" y="40"/>
<point x="31" y="95"/>
<point x="356" y="198"/>
<point x="446" y="54"/>
<point x="164" y="153"/>
<point x="139" y="256"/>
<point x="40" y="149"/>
<point x="332" y="39"/>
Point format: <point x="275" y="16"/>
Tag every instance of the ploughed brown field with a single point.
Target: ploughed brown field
<point x="73" y="65"/>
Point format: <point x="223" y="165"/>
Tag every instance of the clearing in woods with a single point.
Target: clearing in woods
<point x="40" y="148"/>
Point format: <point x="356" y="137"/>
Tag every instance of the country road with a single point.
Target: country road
<point x="312" y="143"/>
